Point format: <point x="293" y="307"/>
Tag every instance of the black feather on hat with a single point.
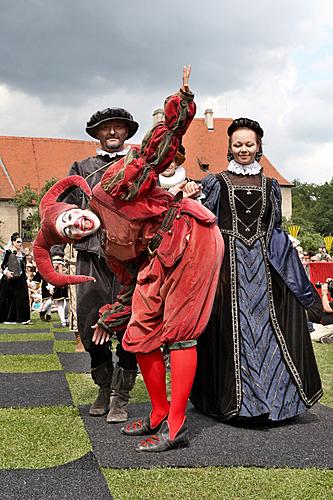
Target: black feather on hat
<point x="111" y="114"/>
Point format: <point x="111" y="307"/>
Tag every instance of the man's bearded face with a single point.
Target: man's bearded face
<point x="112" y="135"/>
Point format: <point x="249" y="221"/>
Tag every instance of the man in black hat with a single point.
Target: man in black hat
<point x="111" y="127"/>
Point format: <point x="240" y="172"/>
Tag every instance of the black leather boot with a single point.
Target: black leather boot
<point x="122" y="383"/>
<point x="162" y="442"/>
<point x="102" y="376"/>
<point x="141" y="427"/>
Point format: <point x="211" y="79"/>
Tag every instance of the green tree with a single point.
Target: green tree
<point x="304" y="199"/>
<point x="309" y="239"/>
<point x="313" y="212"/>
<point x="323" y="210"/>
<point x="313" y="205"/>
<point x="29" y="198"/>
<point x="310" y="242"/>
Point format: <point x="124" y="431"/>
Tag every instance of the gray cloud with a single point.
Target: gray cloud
<point x="61" y="60"/>
<point x="63" y="49"/>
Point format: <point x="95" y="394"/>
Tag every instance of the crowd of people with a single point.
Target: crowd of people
<point x="204" y="273"/>
<point x="307" y="257"/>
<point x="23" y="290"/>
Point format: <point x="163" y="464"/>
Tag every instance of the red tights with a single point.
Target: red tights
<point x="183" y="366"/>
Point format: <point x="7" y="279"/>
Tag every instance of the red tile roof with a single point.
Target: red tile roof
<point x="211" y="146"/>
<point x="35" y="160"/>
<point x="29" y="160"/>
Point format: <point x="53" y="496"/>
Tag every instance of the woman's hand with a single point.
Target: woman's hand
<point x="186" y="78"/>
<point x="100" y="336"/>
<point x="9" y="275"/>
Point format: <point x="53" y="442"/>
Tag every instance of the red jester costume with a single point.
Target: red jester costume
<point x="166" y="252"/>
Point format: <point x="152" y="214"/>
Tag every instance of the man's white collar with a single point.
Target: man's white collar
<point x="123" y="152"/>
<point x="252" y="169"/>
<point x="168" y="182"/>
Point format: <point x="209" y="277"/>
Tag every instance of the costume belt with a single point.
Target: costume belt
<point x="166" y="224"/>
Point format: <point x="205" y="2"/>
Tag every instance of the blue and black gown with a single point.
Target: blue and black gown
<point x="255" y="358"/>
<point x="14" y="295"/>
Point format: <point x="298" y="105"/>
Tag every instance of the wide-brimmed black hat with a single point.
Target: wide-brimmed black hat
<point x="111" y="114"/>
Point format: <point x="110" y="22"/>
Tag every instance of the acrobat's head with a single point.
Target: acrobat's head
<point x="62" y="223"/>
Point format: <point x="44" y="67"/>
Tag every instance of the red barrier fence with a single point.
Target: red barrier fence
<point x="320" y="271"/>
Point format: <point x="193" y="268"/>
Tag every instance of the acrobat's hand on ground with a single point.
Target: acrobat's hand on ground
<point x="191" y="190"/>
<point x="100" y="336"/>
<point x="186" y="78"/>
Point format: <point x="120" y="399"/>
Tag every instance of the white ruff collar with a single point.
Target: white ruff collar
<point x="252" y="169"/>
<point x="168" y="182"/>
<point x="123" y="152"/>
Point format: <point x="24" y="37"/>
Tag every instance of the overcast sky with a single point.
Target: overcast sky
<point x="61" y="60"/>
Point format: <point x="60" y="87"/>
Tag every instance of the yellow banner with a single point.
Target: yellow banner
<point x="294" y="230"/>
<point x="328" y="242"/>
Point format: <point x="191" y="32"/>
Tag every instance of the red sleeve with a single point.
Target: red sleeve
<point x="134" y="176"/>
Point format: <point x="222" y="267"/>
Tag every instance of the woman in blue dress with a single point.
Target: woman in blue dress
<point x="255" y="358"/>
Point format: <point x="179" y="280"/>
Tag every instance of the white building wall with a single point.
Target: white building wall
<point x="286" y="202"/>
<point x="8" y="220"/>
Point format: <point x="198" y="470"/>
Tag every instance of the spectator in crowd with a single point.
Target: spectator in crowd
<point x="14" y="295"/>
<point x="323" y="332"/>
<point x="33" y="286"/>
<point x="46" y="291"/>
<point x="60" y="294"/>
<point x="70" y="260"/>
<point x="322" y="255"/>
<point x="53" y="296"/>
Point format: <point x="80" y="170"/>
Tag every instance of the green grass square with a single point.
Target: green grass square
<point x="41" y="437"/>
<point x="23" y="363"/>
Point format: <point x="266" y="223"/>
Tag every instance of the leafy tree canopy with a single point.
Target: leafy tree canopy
<point x="312" y="211"/>
<point x="29" y="197"/>
<point x="313" y="204"/>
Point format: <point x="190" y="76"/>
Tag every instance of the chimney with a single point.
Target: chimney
<point x="158" y="115"/>
<point x="209" y="120"/>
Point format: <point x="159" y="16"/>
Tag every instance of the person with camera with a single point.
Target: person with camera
<point x="323" y="332"/>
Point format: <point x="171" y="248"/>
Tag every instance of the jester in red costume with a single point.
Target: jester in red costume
<point x="166" y="252"/>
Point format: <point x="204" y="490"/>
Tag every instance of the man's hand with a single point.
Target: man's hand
<point x="100" y="336"/>
<point x="178" y="187"/>
<point x="191" y="190"/>
<point x="9" y="275"/>
<point x="186" y="78"/>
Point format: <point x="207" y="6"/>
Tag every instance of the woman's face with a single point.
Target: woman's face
<point x="76" y="223"/>
<point x="17" y="244"/>
<point x="244" y="146"/>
